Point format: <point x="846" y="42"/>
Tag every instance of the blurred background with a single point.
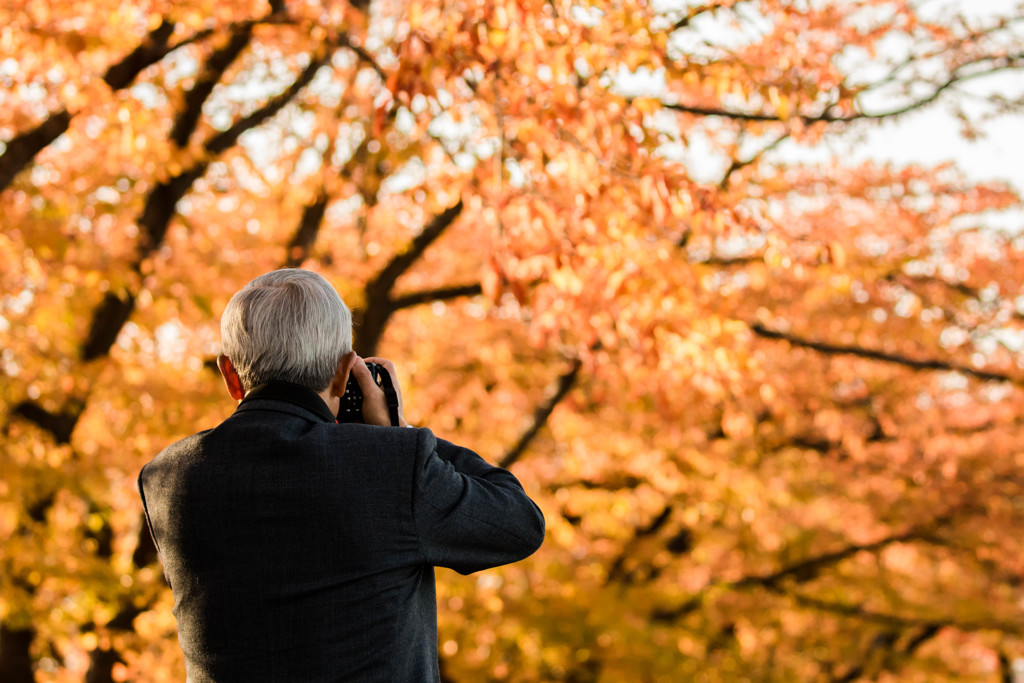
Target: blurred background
<point x="732" y="286"/>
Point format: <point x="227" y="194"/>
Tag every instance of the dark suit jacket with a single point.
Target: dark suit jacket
<point x="299" y="549"/>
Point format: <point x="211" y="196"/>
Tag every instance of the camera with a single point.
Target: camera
<point x="350" y="408"/>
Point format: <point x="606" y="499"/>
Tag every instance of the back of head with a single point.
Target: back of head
<point x="287" y="325"/>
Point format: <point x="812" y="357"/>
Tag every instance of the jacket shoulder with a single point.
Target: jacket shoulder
<point x="177" y="452"/>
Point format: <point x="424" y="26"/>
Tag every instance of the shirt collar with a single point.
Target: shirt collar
<point x="277" y="390"/>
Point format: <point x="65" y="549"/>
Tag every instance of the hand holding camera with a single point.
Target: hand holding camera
<point x="372" y="394"/>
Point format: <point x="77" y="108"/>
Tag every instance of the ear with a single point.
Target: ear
<point x="231" y="379"/>
<point x="341" y="375"/>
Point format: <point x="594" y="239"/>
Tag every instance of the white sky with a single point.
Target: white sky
<point x="933" y="135"/>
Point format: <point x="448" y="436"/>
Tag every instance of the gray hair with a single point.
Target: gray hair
<point x="286" y="325"/>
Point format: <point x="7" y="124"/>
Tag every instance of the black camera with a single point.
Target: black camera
<point x="351" y="407"/>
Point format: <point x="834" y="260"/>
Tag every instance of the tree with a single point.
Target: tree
<point x="770" y="408"/>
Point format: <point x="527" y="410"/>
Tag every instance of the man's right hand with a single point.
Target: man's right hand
<point x="375" y="404"/>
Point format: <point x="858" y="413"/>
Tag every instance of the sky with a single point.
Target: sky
<point x="929" y="136"/>
<point x="933" y="135"/>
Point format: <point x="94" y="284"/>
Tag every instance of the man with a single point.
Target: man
<point x="299" y="549"/>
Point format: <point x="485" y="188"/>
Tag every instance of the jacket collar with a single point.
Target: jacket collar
<point x="296" y="394"/>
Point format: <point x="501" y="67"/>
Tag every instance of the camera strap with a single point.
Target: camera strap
<point x="390" y="394"/>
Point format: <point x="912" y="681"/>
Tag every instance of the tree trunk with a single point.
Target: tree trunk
<point x="15" y="655"/>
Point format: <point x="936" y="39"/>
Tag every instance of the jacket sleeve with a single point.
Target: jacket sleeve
<point x="470" y="515"/>
<point x="140" y="483"/>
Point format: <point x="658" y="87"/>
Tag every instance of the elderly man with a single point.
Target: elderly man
<point x="300" y="549"/>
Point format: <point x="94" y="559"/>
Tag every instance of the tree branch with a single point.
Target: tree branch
<point x="542" y="413"/>
<point x="213" y="70"/>
<point x="305" y="236"/>
<point x="896" y="620"/>
<point x="739" y="164"/>
<point x="905" y="279"/>
<point x="617" y="572"/>
<point x="22" y="149"/>
<point x="398" y="265"/>
<point x="801" y="571"/>
<point x="1006" y="673"/>
<point x="695" y="12"/>
<point x="149" y="52"/>
<point x="872" y="354"/>
<point x="810" y="568"/>
<point x="155" y="46"/>
<point x="363" y="55"/>
<point x="226" y="139"/>
<point x="115" y="310"/>
<point x="379" y="306"/>
<point x="59" y="425"/>
<point x="826" y="116"/>
<point x="440" y="294"/>
<point x="161" y="204"/>
<point x="884" y="652"/>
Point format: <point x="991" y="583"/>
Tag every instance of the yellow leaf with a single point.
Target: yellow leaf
<point x="497" y="37"/>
